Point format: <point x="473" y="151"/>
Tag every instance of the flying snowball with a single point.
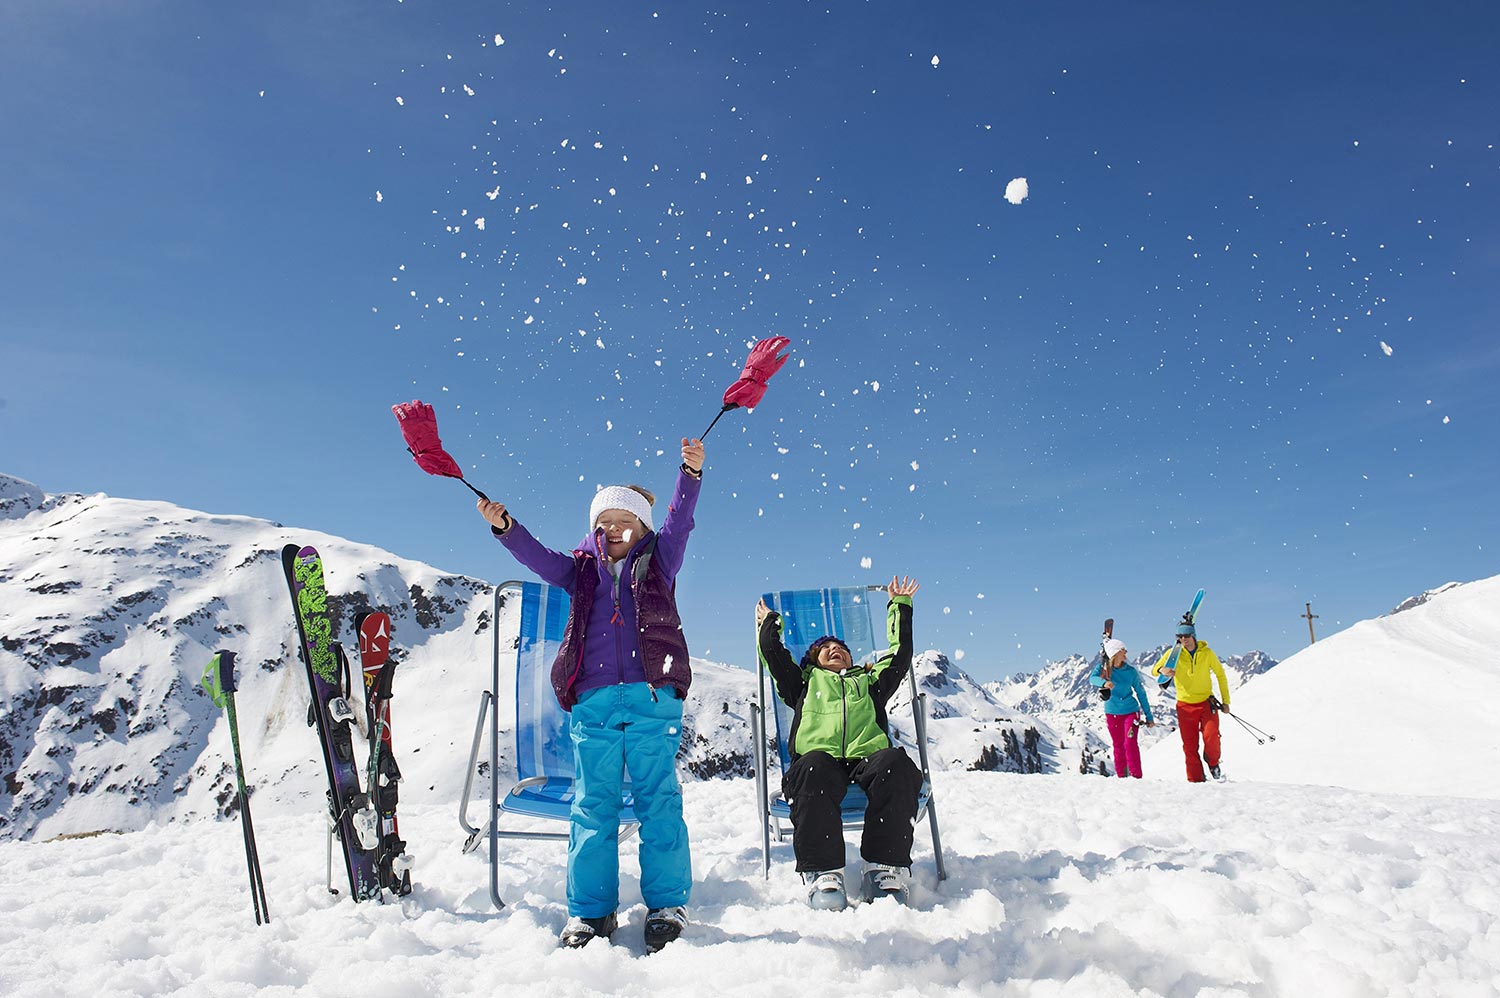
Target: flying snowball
<point x="1016" y="190"/>
<point x="935" y="62"/>
<point x="1385" y="348"/>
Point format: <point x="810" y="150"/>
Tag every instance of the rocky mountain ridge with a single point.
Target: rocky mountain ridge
<point x="114" y="607"/>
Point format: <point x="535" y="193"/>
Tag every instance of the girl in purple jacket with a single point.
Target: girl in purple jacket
<point x="622" y="673"/>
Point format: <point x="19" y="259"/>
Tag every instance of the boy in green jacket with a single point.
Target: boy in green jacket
<point x="839" y="736"/>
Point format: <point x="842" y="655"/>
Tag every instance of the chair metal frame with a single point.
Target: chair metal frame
<point x="773" y="808"/>
<point x="515" y="800"/>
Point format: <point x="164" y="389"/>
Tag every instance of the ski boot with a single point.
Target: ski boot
<point x="664" y="925"/>
<point x="579" y="932"/>
<point x="825" y="890"/>
<point x="884" y="881"/>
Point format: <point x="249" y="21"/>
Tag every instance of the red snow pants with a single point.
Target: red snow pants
<point x="1193" y="718"/>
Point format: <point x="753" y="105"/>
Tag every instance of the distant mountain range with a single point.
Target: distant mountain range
<point x="114" y="606"/>
<point x="1060" y="694"/>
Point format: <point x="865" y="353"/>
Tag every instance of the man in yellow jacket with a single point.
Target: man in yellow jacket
<point x="1196" y="709"/>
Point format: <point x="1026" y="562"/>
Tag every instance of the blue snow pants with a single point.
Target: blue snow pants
<point x="615" y="729"/>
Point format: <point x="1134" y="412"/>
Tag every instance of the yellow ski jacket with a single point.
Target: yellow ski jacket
<point x="1193" y="672"/>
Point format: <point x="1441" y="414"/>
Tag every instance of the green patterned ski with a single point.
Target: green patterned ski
<point x="352" y="818"/>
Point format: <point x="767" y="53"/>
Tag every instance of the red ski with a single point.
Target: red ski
<point x="384" y="775"/>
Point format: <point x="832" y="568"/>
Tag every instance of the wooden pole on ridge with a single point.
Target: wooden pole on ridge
<point x="1311" y="637"/>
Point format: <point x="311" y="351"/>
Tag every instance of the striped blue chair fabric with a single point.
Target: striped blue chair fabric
<point x="806" y="616"/>
<point x="544" y="749"/>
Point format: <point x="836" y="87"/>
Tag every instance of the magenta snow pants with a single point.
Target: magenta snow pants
<point x="1127" y="749"/>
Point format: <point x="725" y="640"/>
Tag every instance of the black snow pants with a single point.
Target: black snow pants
<point x="815" y="785"/>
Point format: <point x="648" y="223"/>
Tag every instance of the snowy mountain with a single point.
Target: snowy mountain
<point x="1421" y="598"/>
<point x="114" y="607"/>
<point x="969" y="729"/>
<point x="1064" y="685"/>
<point x="1059" y="695"/>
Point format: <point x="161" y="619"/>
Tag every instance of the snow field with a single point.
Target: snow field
<point x="1056" y="886"/>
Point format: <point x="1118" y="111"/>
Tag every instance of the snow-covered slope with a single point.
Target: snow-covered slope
<point x="1398" y="704"/>
<point x="1056" y="887"/>
<point x="113" y="608"/>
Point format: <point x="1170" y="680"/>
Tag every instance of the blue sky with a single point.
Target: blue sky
<point x="235" y="238"/>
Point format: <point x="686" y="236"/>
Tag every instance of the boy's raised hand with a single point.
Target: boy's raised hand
<point x="901" y="587"/>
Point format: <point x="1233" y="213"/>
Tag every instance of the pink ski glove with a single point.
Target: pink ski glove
<point x="419" y="429"/>
<point x="762" y="363"/>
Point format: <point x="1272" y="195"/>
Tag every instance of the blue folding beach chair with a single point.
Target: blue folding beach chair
<point x="806" y="615"/>
<point x="544" y="750"/>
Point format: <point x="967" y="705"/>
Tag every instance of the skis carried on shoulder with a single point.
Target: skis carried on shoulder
<point x="1109" y="631"/>
<point x="352" y="819"/>
<point x="1163" y="680"/>
<point x="382" y="774"/>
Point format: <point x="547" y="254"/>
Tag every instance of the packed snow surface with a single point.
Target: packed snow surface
<point x="1056" y="886"/>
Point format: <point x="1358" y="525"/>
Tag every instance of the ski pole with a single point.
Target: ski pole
<point x="1255" y="732"/>
<point x="257" y="881"/>
<point x="252" y="854"/>
<point x="218" y="681"/>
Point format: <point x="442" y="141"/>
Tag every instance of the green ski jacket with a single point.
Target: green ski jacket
<point x="841" y="713"/>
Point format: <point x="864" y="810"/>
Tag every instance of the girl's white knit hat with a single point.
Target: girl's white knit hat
<point x="620" y="497"/>
<point x="1113" y="646"/>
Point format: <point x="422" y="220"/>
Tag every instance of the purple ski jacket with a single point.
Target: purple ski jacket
<point x="625" y="629"/>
